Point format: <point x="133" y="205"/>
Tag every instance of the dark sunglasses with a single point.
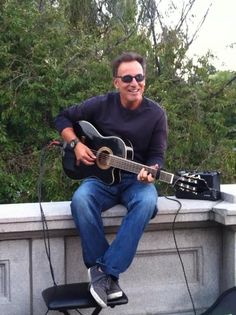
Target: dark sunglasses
<point x="129" y="78"/>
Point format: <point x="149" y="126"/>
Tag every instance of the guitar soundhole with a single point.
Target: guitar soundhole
<point x="103" y="158"/>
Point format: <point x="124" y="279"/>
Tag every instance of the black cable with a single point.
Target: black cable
<point x="178" y="251"/>
<point x="46" y="237"/>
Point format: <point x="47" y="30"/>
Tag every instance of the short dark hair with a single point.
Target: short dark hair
<point x="127" y="57"/>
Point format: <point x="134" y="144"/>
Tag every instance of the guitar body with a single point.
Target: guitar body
<point x="104" y="147"/>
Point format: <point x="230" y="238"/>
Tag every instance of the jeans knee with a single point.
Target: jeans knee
<point x="150" y="200"/>
<point x="153" y="206"/>
<point x="146" y="206"/>
<point x="79" y="204"/>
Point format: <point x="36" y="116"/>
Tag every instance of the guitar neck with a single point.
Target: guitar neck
<point x="134" y="167"/>
<point x="166" y="177"/>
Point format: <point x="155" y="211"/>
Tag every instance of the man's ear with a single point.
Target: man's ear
<point x="116" y="83"/>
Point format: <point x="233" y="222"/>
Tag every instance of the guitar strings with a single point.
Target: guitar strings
<point x="121" y="162"/>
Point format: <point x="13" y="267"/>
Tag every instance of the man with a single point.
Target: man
<point x="126" y="114"/>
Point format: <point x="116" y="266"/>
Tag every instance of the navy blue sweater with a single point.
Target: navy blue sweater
<point x="145" y="127"/>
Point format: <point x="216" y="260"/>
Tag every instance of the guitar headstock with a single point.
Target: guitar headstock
<point x="191" y="182"/>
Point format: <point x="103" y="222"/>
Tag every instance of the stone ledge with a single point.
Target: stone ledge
<point x="27" y="217"/>
<point x="228" y="192"/>
<point x="225" y="213"/>
<point x="208" y="252"/>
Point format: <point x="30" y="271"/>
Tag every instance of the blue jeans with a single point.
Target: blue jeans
<point x="93" y="197"/>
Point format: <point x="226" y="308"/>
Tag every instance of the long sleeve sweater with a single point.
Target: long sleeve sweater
<point x="145" y="127"/>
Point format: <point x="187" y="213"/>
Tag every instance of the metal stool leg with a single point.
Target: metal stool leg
<point x="97" y="310"/>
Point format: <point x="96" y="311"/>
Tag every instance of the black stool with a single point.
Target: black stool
<point x="74" y="296"/>
<point x="225" y="304"/>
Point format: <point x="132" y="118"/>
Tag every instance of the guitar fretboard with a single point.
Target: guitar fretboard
<point x="130" y="166"/>
<point x="133" y="167"/>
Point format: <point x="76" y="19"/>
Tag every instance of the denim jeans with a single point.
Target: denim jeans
<point x="93" y="197"/>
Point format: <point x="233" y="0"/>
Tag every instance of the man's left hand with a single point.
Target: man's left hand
<point x="146" y="177"/>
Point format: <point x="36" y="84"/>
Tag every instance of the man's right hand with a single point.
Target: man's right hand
<point x="84" y="154"/>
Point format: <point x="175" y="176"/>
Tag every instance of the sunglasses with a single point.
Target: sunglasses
<point x="129" y="78"/>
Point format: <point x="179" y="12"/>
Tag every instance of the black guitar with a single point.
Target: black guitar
<point x="113" y="155"/>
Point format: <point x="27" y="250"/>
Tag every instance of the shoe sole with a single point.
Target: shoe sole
<point x="94" y="293"/>
<point x="97" y="297"/>
<point x="114" y="296"/>
<point x="89" y="275"/>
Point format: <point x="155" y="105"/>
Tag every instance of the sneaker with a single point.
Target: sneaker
<point x="114" y="292"/>
<point x="99" y="285"/>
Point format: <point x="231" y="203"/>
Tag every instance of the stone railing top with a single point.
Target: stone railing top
<point x="225" y="211"/>
<point x="228" y="193"/>
<point x="27" y="217"/>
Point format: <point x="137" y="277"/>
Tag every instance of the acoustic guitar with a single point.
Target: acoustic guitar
<point x="114" y="155"/>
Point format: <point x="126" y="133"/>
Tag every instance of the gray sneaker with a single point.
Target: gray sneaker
<point x="99" y="285"/>
<point x="114" y="292"/>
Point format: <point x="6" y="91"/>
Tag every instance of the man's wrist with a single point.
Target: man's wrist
<point x="73" y="143"/>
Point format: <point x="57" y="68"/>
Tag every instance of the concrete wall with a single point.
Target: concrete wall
<point x="155" y="282"/>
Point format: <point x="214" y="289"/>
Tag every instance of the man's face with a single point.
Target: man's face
<point x="131" y="93"/>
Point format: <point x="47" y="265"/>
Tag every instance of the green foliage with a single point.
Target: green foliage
<point x="56" y="53"/>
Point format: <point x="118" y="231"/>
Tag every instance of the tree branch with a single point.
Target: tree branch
<point x="224" y="86"/>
